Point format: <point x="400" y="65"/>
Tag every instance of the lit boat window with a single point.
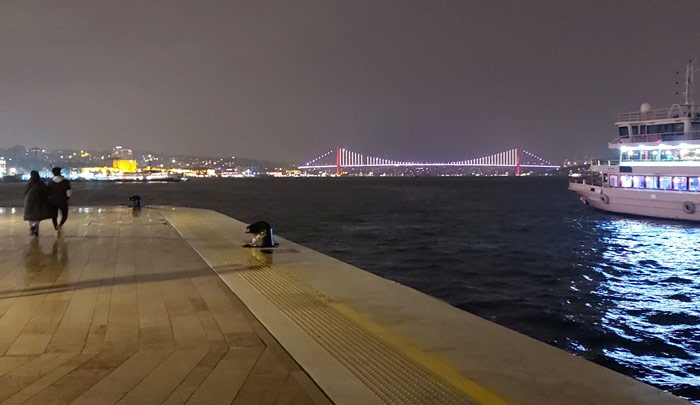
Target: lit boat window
<point x="693" y="183"/>
<point x="670" y="154"/>
<point x="633" y="155"/>
<point x="638" y="181"/>
<point x="613" y="181"/>
<point x="680" y="183"/>
<point x="626" y="181"/>
<point x="665" y="182"/>
<point x="651" y="182"/>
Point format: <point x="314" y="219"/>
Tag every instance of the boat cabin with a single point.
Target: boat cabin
<point x="647" y="126"/>
<point x="664" y="135"/>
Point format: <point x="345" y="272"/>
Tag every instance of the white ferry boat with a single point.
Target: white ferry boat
<point x="658" y="172"/>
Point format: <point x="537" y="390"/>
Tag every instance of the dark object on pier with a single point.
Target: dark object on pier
<point x="135" y="201"/>
<point x="12" y="179"/>
<point x="263" y="236"/>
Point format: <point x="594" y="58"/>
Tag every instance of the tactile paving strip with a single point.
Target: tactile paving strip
<point x="389" y="374"/>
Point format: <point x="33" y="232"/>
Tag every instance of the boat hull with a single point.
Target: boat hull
<point x="649" y="203"/>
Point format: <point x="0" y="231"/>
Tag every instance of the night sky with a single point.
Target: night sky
<point x="290" y="80"/>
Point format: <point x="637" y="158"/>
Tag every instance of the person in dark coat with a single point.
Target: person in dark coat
<point x="36" y="202"/>
<point x="59" y="193"/>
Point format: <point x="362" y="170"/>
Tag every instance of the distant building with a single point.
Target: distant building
<point x="35" y="153"/>
<point x="122" y="159"/>
<point x="122" y="153"/>
<point x="16" y="152"/>
<point x="128" y="166"/>
<point x="3" y="166"/>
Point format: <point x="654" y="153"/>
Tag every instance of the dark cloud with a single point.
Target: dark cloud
<point x="289" y="80"/>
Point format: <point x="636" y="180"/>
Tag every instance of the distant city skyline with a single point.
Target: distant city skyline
<point x="124" y="152"/>
<point x="124" y="164"/>
<point x="288" y="81"/>
<point x="337" y="155"/>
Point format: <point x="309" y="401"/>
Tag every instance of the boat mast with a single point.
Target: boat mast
<point x="689" y="71"/>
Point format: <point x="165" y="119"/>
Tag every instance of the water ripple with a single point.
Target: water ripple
<point x="653" y="288"/>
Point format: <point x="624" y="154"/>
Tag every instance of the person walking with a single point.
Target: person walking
<point x="59" y="193"/>
<point x="36" y="202"/>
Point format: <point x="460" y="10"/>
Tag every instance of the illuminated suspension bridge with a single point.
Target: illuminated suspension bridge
<point x="344" y="158"/>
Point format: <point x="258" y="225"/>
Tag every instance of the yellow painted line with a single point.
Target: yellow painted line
<point x="438" y="365"/>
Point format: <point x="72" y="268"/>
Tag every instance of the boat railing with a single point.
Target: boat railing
<point x="666" y="137"/>
<point x="593" y="179"/>
<point x="675" y="111"/>
<point x="601" y="162"/>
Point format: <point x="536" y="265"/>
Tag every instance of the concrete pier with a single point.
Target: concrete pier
<point x="164" y="305"/>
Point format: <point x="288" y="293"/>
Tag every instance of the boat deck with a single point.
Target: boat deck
<point x="163" y="305"/>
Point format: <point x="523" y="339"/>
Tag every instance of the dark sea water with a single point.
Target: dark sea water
<point x="523" y="252"/>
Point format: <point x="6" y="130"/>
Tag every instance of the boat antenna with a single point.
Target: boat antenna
<point x="689" y="72"/>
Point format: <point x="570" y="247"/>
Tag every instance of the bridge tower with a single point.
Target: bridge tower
<point x="517" y="163"/>
<point x="337" y="160"/>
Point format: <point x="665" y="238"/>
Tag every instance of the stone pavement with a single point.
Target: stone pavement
<point x="120" y="309"/>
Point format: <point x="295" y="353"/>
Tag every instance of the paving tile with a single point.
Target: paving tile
<point x="39" y="385"/>
<point x="261" y="390"/>
<point x="195" y="378"/>
<point x="15" y="318"/>
<point x="71" y="333"/>
<point x="225" y="380"/>
<point x="29" y="344"/>
<point x="293" y="394"/>
<point x="156" y="387"/>
<point x="265" y="382"/>
<point x="124" y="378"/>
<point x="9" y="363"/>
<point x="32" y="371"/>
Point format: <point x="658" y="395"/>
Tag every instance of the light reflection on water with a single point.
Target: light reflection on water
<point x="652" y="285"/>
